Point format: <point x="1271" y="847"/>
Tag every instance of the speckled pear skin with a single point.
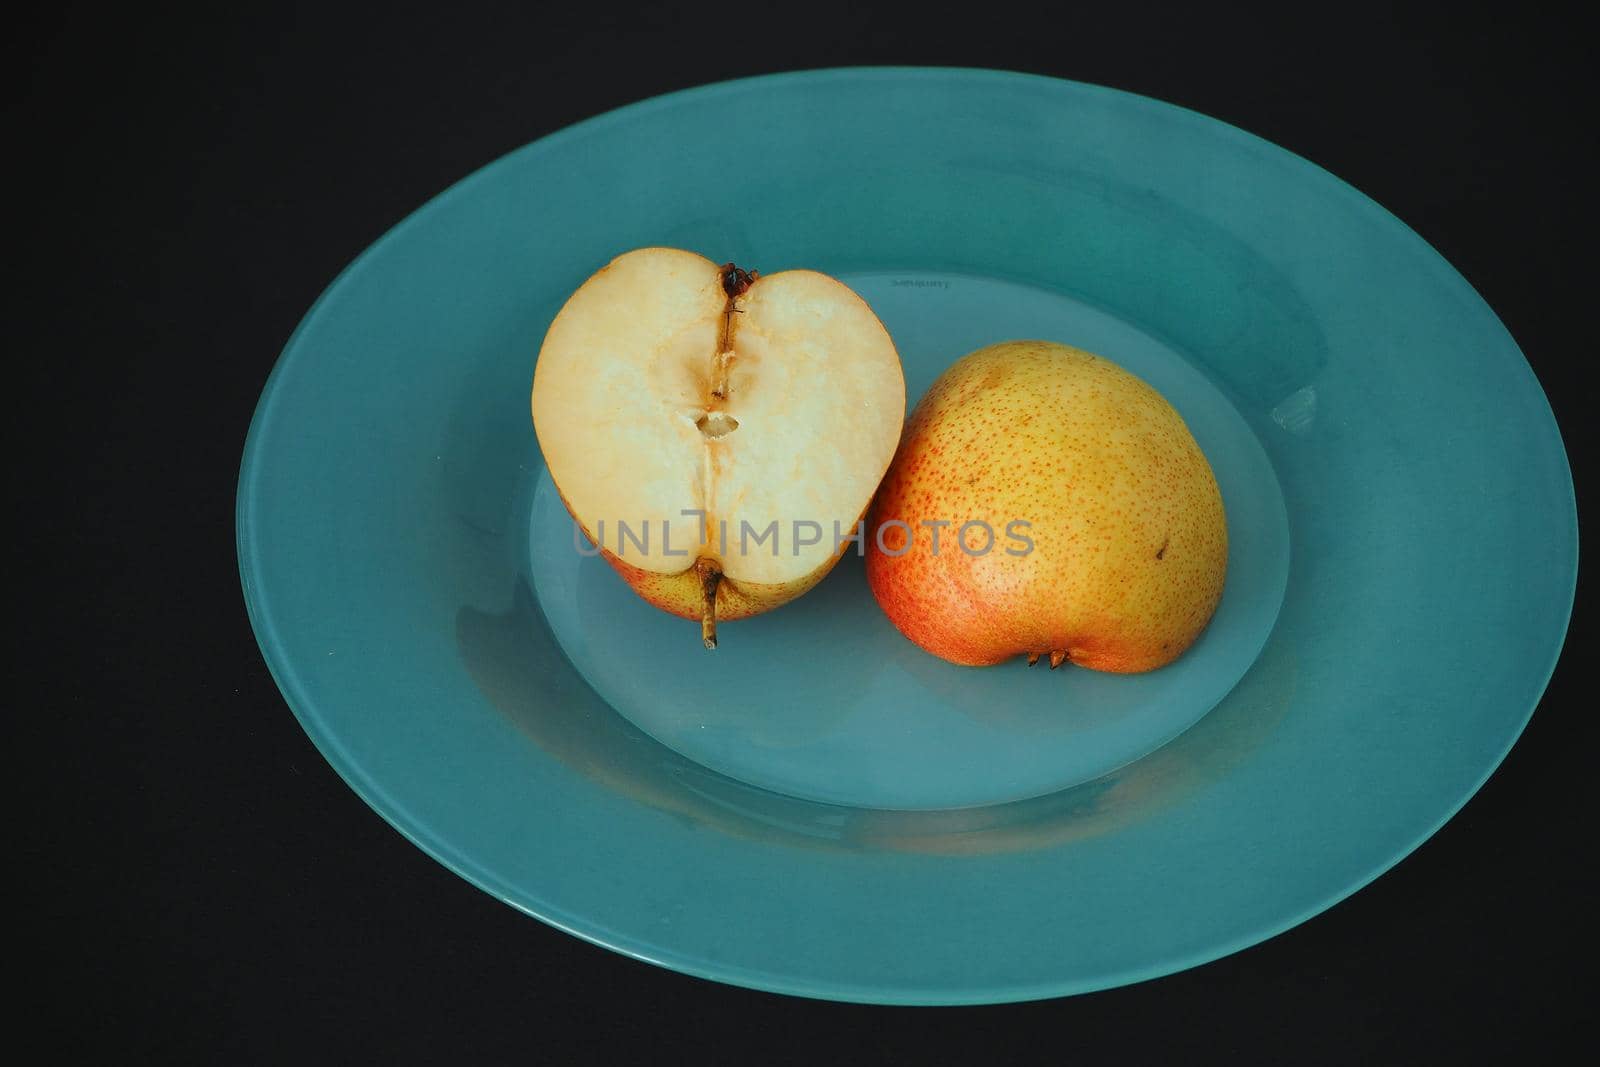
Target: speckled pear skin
<point x="1130" y="542"/>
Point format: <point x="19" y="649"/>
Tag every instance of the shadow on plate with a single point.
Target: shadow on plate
<point x="515" y="661"/>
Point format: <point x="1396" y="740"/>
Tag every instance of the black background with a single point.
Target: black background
<point x="209" y="891"/>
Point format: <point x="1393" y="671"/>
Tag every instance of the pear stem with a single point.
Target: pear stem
<point x="734" y="282"/>
<point x="710" y="578"/>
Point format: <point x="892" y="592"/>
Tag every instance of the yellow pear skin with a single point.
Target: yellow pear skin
<point x="1129" y="541"/>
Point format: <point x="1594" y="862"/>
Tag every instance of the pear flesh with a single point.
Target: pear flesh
<point x="713" y="429"/>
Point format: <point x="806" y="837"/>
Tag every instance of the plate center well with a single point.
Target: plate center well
<point x="823" y="699"/>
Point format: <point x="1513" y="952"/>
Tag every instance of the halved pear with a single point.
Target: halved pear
<point x="717" y="433"/>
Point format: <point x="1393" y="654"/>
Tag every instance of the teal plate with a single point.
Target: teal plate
<point x="818" y="807"/>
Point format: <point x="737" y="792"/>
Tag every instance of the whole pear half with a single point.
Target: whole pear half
<point x="1109" y="543"/>
<point x="711" y="429"/>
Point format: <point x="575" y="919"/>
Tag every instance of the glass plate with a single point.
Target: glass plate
<point x="818" y="807"/>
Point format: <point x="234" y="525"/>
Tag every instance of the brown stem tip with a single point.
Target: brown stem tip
<point x="710" y="578"/>
<point x="1033" y="657"/>
<point x="1057" y="659"/>
<point x="736" y="281"/>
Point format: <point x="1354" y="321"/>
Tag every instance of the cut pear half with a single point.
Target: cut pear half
<point x="703" y="420"/>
